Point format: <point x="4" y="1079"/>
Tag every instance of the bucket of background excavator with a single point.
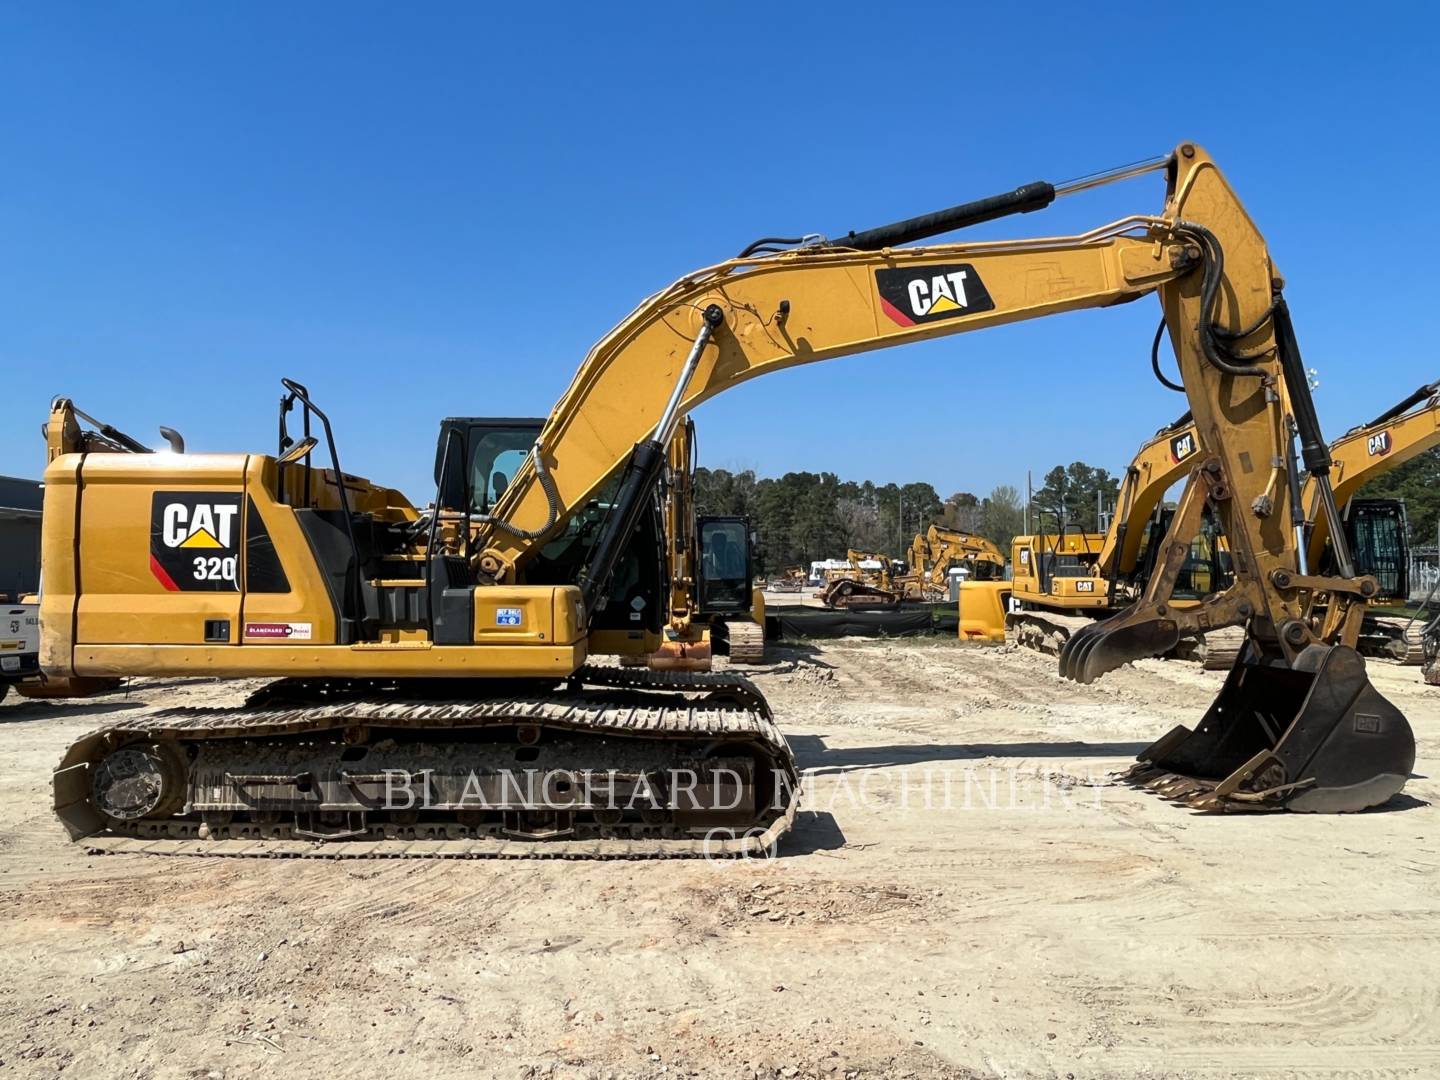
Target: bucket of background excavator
<point x="681" y="656"/>
<point x="1316" y="737"/>
<point x="1104" y="646"/>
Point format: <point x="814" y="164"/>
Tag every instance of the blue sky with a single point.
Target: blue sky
<point x="434" y="210"/>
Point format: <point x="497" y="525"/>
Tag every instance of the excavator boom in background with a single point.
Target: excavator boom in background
<point x="434" y="688"/>
<point x="1062" y="582"/>
<point x="938" y="551"/>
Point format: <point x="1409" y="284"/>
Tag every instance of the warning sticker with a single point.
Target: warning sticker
<point x="292" y="631"/>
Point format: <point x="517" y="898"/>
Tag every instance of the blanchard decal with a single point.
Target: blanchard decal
<point x="507" y="616"/>
<point x="1379" y="445"/>
<point x="195" y="540"/>
<point x="290" y="631"/>
<point x="1182" y="446"/>
<point x="925" y="294"/>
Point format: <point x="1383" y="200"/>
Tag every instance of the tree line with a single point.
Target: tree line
<point x="803" y="516"/>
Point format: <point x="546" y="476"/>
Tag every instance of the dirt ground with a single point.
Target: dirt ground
<point x="1034" y="920"/>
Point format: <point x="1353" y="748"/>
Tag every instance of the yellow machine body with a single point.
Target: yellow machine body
<point x="255" y="565"/>
<point x="170" y="562"/>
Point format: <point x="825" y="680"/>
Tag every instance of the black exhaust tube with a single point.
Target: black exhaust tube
<point x="642" y="473"/>
<point x="1022" y="200"/>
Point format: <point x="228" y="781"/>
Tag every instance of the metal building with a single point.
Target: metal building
<point x="19" y="536"/>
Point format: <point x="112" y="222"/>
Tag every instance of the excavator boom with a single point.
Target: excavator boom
<point x="1369" y="450"/>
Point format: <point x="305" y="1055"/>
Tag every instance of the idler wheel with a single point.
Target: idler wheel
<point x="139" y="781"/>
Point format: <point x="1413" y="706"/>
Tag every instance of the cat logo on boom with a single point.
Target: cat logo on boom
<point x="922" y="294"/>
<point x="1379" y="444"/>
<point x="195" y="540"/>
<point x="1182" y="446"/>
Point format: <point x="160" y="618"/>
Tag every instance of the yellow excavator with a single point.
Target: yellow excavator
<point x="713" y="596"/>
<point x="873" y="583"/>
<point x="434" y="692"/>
<point x="938" y="551"/>
<point x="1375" y="529"/>
<point x="1063" y="581"/>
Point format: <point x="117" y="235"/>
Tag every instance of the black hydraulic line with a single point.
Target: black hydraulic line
<point x="1181" y="421"/>
<point x="1122" y="528"/>
<point x="1214" y="273"/>
<point x="115" y="435"/>
<point x="1423" y="394"/>
<point x="783" y="241"/>
<point x="1155" y="363"/>
<point x="1022" y="200"/>
<point x="1297" y="506"/>
<point x="1313" y="450"/>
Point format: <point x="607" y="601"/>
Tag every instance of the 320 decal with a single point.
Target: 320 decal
<point x="195" y="540"/>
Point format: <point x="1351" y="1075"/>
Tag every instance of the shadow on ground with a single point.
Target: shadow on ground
<point x="25" y="711"/>
<point x="814" y="830"/>
<point x="814" y="757"/>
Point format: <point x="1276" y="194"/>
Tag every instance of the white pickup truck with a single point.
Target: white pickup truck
<point x="19" y="644"/>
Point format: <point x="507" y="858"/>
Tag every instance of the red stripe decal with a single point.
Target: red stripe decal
<point x="162" y="576"/>
<point x="895" y="313"/>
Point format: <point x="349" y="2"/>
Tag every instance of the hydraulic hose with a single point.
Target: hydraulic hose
<point x="1155" y="361"/>
<point x="552" y="499"/>
<point x="1209" y="292"/>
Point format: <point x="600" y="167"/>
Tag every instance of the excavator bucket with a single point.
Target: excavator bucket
<point x="1104" y="646"/>
<point x="1315" y="737"/>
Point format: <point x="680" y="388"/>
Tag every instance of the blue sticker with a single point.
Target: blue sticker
<point x="507" y="616"/>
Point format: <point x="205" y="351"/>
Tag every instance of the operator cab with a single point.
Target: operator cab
<point x="1377" y="531"/>
<point x="492" y="449"/>
<point x="726" y="564"/>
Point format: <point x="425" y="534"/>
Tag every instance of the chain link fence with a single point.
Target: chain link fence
<point x="1424" y="571"/>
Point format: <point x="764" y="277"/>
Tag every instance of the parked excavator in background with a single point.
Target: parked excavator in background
<point x="715" y="601"/>
<point x="1376" y="529"/>
<point x="1064" y="581"/>
<point x="938" y="551"/>
<point x="433" y="694"/>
